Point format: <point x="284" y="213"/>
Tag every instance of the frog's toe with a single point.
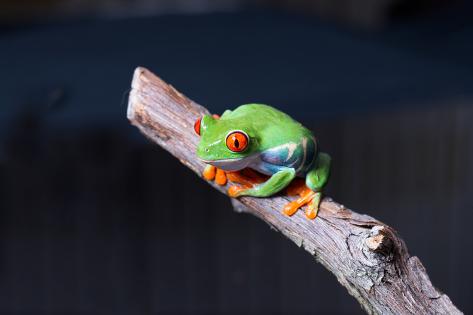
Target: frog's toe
<point x="313" y="207"/>
<point x="220" y="177"/>
<point x="291" y="208"/>
<point x="212" y="173"/>
<point x="209" y="172"/>
<point x="236" y="191"/>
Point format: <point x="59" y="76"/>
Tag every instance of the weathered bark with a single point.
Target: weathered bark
<point x="367" y="256"/>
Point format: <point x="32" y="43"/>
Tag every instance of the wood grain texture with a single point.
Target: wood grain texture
<point x="367" y="256"/>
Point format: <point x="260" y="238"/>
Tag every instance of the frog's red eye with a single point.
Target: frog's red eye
<point x="197" y="126"/>
<point x="237" y="141"/>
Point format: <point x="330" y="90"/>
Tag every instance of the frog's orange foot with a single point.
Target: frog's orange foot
<point x="307" y="197"/>
<point x="235" y="191"/>
<point x="212" y="173"/>
<point x="247" y="178"/>
<point x="296" y="187"/>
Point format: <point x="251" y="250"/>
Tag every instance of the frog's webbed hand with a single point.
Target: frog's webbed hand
<point x="212" y="173"/>
<point x="274" y="184"/>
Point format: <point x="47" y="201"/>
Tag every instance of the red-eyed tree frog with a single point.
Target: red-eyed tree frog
<point x="264" y="139"/>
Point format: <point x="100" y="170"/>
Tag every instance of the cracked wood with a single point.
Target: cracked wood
<point x="367" y="256"/>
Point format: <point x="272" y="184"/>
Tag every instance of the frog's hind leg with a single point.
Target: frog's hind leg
<point x="310" y="191"/>
<point x="316" y="180"/>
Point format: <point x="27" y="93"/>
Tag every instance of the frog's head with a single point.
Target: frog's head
<point x="227" y="144"/>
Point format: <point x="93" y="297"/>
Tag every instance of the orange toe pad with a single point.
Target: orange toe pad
<point x="209" y="172"/>
<point x="234" y="191"/>
<point x="220" y="177"/>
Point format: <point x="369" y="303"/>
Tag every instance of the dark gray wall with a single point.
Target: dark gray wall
<point x="94" y="219"/>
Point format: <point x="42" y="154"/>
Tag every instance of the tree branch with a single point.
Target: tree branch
<point x="367" y="256"/>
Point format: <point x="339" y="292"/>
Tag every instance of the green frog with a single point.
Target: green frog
<point x="261" y="138"/>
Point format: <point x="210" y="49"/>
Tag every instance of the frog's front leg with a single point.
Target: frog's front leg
<point x="274" y="184"/>
<point x="212" y="173"/>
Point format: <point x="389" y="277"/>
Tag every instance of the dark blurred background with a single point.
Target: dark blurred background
<point x="97" y="220"/>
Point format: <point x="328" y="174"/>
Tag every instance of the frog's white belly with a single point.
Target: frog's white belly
<point x="234" y="164"/>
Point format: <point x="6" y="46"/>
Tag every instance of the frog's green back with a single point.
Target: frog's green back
<point x="273" y="126"/>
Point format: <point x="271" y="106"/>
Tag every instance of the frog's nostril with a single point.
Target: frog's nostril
<point x="207" y="150"/>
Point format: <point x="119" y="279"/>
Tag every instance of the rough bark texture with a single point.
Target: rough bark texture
<point x="367" y="256"/>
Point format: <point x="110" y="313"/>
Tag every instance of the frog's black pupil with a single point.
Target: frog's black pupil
<point x="237" y="144"/>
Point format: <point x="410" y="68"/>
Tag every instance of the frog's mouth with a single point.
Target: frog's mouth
<point x="234" y="164"/>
